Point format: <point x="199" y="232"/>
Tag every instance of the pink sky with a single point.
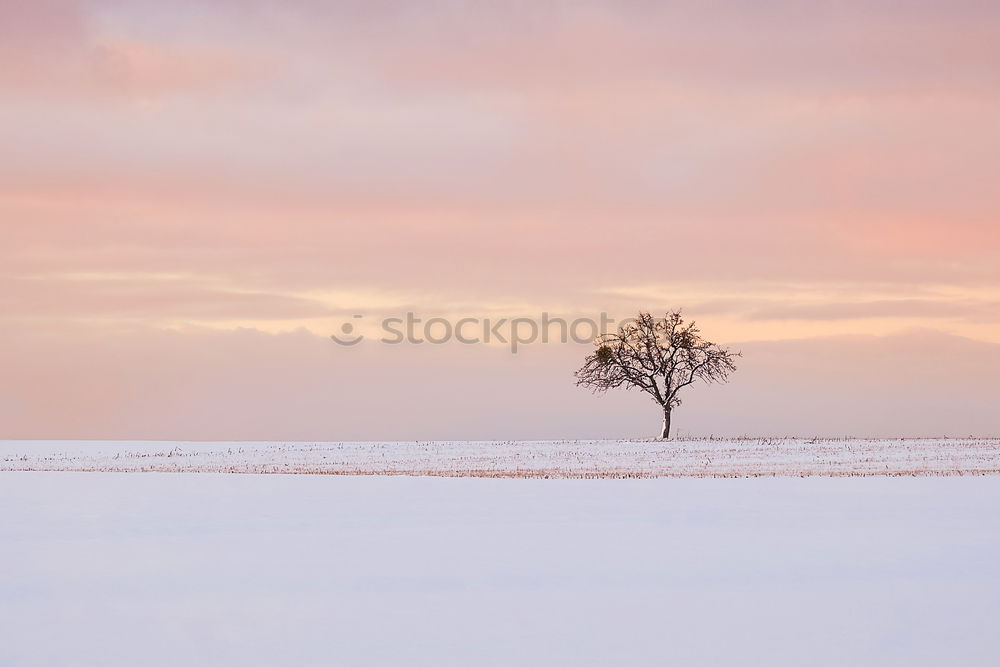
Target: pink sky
<point x="193" y="197"/>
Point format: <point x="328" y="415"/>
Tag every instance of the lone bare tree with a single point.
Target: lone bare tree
<point x="659" y="356"/>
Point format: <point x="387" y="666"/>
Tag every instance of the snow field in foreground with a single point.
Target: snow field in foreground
<point x="126" y="569"/>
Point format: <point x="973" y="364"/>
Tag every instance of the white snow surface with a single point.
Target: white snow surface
<point x="211" y="569"/>
<point x="569" y="458"/>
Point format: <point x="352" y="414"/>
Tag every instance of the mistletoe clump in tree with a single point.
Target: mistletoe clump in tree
<point x="659" y="356"/>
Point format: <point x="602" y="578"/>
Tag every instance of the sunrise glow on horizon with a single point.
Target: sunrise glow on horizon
<point x="193" y="198"/>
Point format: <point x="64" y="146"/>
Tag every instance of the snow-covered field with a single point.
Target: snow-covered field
<point x="211" y="569"/>
<point x="570" y="458"/>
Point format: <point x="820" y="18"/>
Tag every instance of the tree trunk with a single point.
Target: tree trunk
<point x="666" y="424"/>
